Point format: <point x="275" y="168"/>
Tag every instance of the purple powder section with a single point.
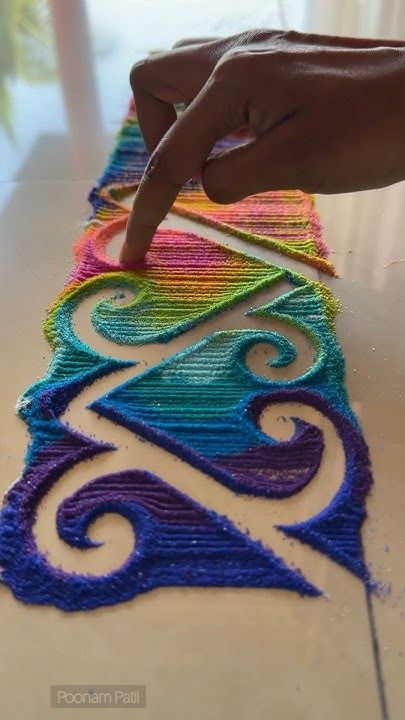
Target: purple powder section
<point x="358" y="478"/>
<point x="178" y="542"/>
<point x="275" y="471"/>
<point x="141" y="488"/>
<point x="22" y="499"/>
<point x="336" y="530"/>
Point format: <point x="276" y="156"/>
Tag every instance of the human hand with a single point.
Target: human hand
<point x="324" y="114"/>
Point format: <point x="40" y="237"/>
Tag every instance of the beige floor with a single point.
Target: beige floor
<point x="203" y="653"/>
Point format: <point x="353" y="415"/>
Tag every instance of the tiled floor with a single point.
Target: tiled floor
<point x="212" y="654"/>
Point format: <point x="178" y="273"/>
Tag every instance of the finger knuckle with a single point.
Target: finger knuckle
<point x="233" y="58"/>
<point x="232" y="72"/>
<point x="257" y="35"/>
<point x="138" y="72"/>
<point x="182" y="43"/>
<point x="291" y="36"/>
<point x="280" y="59"/>
<point x="281" y="37"/>
<point x="160" y="168"/>
<point x="157" y="164"/>
<point x="270" y="37"/>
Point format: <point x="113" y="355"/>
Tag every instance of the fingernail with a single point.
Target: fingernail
<point x="137" y="241"/>
<point x="122" y="257"/>
<point x="136" y="250"/>
<point x="129" y="256"/>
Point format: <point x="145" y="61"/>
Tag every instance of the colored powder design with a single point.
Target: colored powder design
<point x="202" y="404"/>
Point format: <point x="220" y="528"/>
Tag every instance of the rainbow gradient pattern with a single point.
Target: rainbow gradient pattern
<point x="202" y="404"/>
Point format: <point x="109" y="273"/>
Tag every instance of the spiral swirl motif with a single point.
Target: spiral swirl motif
<point x="203" y="404"/>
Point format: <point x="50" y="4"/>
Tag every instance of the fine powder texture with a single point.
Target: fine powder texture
<point x="202" y="404"/>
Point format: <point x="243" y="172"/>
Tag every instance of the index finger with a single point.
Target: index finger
<point x="163" y="80"/>
<point x="180" y="154"/>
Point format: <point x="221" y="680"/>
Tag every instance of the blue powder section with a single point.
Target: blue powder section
<point x="204" y="404"/>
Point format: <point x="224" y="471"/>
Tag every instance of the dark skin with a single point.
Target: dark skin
<point x="322" y="114"/>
